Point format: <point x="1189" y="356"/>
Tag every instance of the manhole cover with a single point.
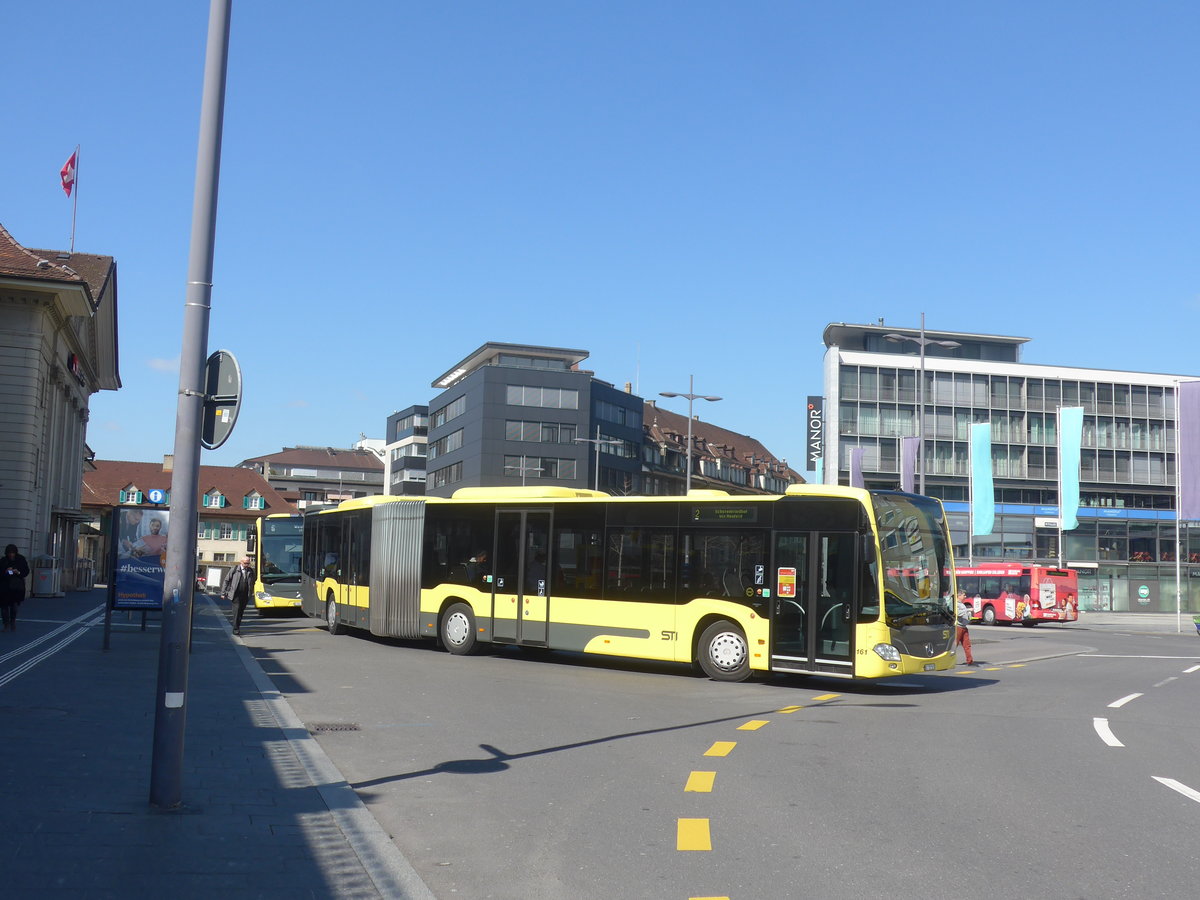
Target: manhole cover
<point x="326" y="727"/>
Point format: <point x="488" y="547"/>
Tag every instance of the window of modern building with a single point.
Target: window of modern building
<point x="540" y="467"/>
<point x="447" y="444"/>
<point x="451" y="410"/>
<point x="547" y="397"/>
<point x="540" y="432"/>
<point x="445" y="475"/>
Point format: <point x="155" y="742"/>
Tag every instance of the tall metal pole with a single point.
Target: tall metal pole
<point x="687" y="482"/>
<point x="170" y="716"/>
<point x="691" y="396"/>
<point x="597" y="485"/>
<point x="921" y="416"/>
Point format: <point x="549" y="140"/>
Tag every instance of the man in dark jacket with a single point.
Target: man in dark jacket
<point x="13" y="572"/>
<point x="236" y="588"/>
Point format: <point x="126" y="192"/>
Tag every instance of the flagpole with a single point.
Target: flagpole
<point x="970" y="497"/>
<point x="75" y="196"/>
<point x="1179" y="544"/>
<point x="1058" y="431"/>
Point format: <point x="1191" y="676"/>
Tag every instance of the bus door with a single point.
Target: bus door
<point x="814" y="601"/>
<point x="521" y="582"/>
<point x="355" y="579"/>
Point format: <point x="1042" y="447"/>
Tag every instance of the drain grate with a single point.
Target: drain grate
<point x="326" y="727"/>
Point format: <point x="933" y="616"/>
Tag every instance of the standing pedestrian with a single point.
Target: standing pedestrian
<point x="963" y="614"/>
<point x="236" y="589"/>
<point x="12" y="585"/>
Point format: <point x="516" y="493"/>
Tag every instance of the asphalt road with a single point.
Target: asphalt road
<point x="527" y="775"/>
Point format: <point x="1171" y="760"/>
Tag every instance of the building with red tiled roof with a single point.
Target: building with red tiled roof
<point x="230" y="499"/>
<point x="58" y="346"/>
<point x="721" y="459"/>
<point x="318" y="475"/>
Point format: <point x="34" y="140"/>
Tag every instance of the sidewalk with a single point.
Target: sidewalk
<point x="1158" y="623"/>
<point x="265" y="812"/>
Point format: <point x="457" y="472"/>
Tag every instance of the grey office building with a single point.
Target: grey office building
<point x="1125" y="545"/>
<point x="511" y="414"/>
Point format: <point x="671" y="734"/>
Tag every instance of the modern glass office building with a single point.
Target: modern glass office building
<point x="1125" y="545"/>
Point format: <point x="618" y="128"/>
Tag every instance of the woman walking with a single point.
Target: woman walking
<point x="13" y="572"/>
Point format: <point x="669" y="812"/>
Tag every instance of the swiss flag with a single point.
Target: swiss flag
<point x="68" y="174"/>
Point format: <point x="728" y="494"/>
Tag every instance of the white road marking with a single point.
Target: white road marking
<point x="1117" y="704"/>
<point x="1166" y="681"/>
<point x="1106" y="735"/>
<point x="1119" y="656"/>
<point x="62" y="626"/>
<point x="1191" y="670"/>
<point x="1181" y="788"/>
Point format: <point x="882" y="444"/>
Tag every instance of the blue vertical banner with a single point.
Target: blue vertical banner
<point x="1187" y="469"/>
<point x="908" y="463"/>
<point x="820" y="476"/>
<point x="856" y="475"/>
<point x="983" y="493"/>
<point x="1070" y="440"/>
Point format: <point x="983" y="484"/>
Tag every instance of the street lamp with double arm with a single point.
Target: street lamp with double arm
<point x="690" y="398"/>
<point x="922" y="342"/>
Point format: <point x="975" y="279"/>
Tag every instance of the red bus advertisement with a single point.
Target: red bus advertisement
<point x="1011" y="592"/>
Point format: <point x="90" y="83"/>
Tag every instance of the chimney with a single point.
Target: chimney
<point x="629" y="387"/>
<point x="168" y="462"/>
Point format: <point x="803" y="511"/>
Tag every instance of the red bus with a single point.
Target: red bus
<point x="1012" y="592"/>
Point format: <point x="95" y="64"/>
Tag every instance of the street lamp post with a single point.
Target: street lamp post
<point x="690" y="398"/>
<point x="922" y="342"/>
<point x="522" y="468"/>
<point x="597" y="441"/>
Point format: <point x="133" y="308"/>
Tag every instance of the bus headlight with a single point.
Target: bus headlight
<point x="262" y="596"/>
<point x="888" y="652"/>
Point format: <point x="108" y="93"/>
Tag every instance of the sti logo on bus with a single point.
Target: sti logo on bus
<point x="816" y="429"/>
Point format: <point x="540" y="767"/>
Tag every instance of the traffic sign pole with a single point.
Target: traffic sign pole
<point x="170" y="710"/>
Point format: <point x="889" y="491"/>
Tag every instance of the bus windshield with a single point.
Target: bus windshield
<point x="915" y="562"/>
<point x="281" y="550"/>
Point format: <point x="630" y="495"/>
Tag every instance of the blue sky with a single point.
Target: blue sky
<point x="678" y="188"/>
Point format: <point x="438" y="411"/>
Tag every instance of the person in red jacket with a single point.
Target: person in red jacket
<point x="963" y="614"/>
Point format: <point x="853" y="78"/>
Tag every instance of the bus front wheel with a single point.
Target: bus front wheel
<point x="724" y="653"/>
<point x="989" y="616"/>
<point x="457" y="630"/>
<point x="332" y="619"/>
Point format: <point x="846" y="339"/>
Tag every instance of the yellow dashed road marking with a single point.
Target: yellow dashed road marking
<point x="708" y="898"/>
<point x="753" y="725"/>
<point x="720" y="748"/>
<point x="1017" y="666"/>
<point x="692" y="834"/>
<point x="700" y="782"/>
<point x="827" y="696"/>
<point x="993" y="668"/>
<point x="790" y="709"/>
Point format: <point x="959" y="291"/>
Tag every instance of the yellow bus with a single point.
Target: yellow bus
<point x="823" y="579"/>
<point x="274" y="543"/>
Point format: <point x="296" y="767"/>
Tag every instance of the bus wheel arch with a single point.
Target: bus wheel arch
<point x="722" y="650"/>
<point x="456" y="628"/>
<point x="333" y="617"/>
<point x="989" y="615"/>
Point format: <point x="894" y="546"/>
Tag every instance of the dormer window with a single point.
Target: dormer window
<point x="214" y="500"/>
<point x="254" y="500"/>
<point x="131" y="495"/>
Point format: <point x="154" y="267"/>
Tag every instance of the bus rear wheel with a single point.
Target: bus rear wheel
<point x="457" y="630"/>
<point x="332" y="619"/>
<point x="723" y="652"/>
<point x="989" y="616"/>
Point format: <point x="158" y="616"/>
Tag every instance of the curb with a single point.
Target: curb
<point x="392" y="873"/>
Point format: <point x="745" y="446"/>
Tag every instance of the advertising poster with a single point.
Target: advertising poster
<point x="140" y="542"/>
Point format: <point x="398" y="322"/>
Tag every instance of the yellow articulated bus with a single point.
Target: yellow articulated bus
<point x="823" y="579"/>
<point x="275" y="544"/>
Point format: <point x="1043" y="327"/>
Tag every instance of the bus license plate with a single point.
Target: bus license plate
<point x="929" y="667"/>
